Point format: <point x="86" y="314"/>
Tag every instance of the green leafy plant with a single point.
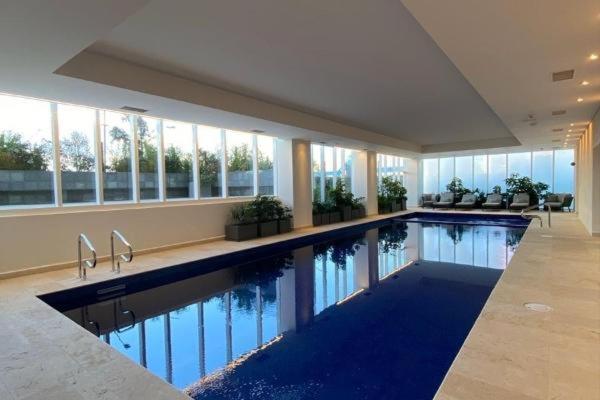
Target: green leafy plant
<point x="523" y="184"/>
<point x="456" y="186"/>
<point x="339" y="196"/>
<point x="392" y="188"/>
<point x="497" y="189"/>
<point x="243" y="214"/>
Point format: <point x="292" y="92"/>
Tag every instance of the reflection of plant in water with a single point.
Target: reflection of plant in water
<point x="455" y="232"/>
<point x="391" y="237"/>
<point x="339" y="250"/>
<point x="513" y="238"/>
<point x="261" y="273"/>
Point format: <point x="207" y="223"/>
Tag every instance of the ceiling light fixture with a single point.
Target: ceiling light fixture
<point x="584" y="83"/>
<point x="572" y="124"/>
<point x="570" y="130"/>
<point x="579" y="100"/>
<point x="593" y="56"/>
<point x="568" y="135"/>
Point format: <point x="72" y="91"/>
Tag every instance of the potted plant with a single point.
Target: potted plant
<point x="243" y="224"/>
<point x="284" y="218"/>
<point x="456" y="186"/>
<point x="320" y="213"/>
<point x="358" y="208"/>
<point x="265" y="208"/>
<point x="342" y="199"/>
<point x="392" y="195"/>
<point x="516" y="184"/>
<point x="384" y="204"/>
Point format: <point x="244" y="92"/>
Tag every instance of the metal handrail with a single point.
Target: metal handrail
<point x="87" y="263"/>
<point x="121" y="257"/>
<point x="531" y="217"/>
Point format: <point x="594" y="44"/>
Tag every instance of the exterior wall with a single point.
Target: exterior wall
<point x="46" y="239"/>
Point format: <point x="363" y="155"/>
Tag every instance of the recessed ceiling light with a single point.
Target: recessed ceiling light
<point x="572" y="124"/>
<point x="568" y="134"/>
<point x="579" y="100"/>
<point x="570" y="130"/>
<point x="593" y="56"/>
<point x="584" y="83"/>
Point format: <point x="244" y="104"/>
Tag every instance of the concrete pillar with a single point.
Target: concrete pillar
<point x="305" y="286"/>
<point x="294" y="178"/>
<point x="286" y="298"/>
<point x="364" y="178"/>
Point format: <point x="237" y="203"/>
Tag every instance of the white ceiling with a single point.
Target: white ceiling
<point x="509" y="49"/>
<point x="369" y="67"/>
<point x="361" y="76"/>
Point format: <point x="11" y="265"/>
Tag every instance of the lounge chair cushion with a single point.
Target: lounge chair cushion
<point x="468" y="200"/>
<point x="446" y="200"/>
<point x="493" y="200"/>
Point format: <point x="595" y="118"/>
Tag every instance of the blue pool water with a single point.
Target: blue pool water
<point x="377" y="313"/>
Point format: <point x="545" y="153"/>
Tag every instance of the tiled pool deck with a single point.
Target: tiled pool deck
<point x="511" y="353"/>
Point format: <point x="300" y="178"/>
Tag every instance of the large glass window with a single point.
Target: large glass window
<point x="563" y="171"/>
<point x="347" y="167"/>
<point x="240" y="177"/>
<point x="329" y="170"/>
<point x="446" y="172"/>
<point x="519" y="163"/>
<point x="497" y="171"/>
<point x="179" y="146"/>
<point x="76" y="127"/>
<point x="265" y="148"/>
<point x="116" y="144"/>
<point x="430" y="175"/>
<point x="464" y="170"/>
<point x="26" y="161"/>
<point x="210" y="155"/>
<point x="480" y="164"/>
<point x="148" y="144"/>
<point x="542" y="167"/>
<point x="316" y="168"/>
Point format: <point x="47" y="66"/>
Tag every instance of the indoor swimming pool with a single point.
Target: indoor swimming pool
<point x="378" y="312"/>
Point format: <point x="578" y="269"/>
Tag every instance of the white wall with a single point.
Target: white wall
<point x="588" y="177"/>
<point x="43" y="239"/>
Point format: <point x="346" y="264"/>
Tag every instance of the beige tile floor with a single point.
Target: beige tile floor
<point x="511" y="353"/>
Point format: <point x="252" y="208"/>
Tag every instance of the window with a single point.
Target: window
<point x="480" y="164"/>
<point x="26" y="152"/>
<point x="210" y="154"/>
<point x="329" y="169"/>
<point x="388" y="165"/>
<point x="563" y="171"/>
<point x="76" y="127"/>
<point x="430" y="175"/>
<point x="266" y="179"/>
<point x="147" y="130"/>
<point x="497" y="171"/>
<point x="519" y="163"/>
<point x="347" y="156"/>
<point x="542" y="167"/>
<point x="179" y="146"/>
<point x="317" y="162"/>
<point x="446" y="172"/>
<point x="464" y="170"/>
<point x="240" y="177"/>
<point x="116" y="143"/>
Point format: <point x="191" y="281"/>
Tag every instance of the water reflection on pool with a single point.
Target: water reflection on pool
<point x="186" y="331"/>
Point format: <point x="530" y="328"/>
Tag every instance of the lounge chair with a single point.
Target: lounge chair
<point x="493" y="202"/>
<point x="558" y="201"/>
<point x="427" y="200"/>
<point x="446" y="200"/>
<point x="467" y="202"/>
<point x="520" y="201"/>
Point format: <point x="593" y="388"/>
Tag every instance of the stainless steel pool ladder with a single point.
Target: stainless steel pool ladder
<point x="125" y="257"/>
<point x="88" y="262"/>
<point x="530" y="217"/>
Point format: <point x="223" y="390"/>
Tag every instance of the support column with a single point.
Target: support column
<point x="366" y="261"/>
<point x="364" y="178"/>
<point x="304" y="286"/>
<point x="294" y="178"/>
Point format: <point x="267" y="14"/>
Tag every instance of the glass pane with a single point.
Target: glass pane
<point x="154" y="331"/>
<point x="446" y="172"/>
<point x="542" y="167"/>
<point x="315" y="150"/>
<point x="348" y="168"/>
<point x="116" y="139"/>
<point x="185" y="337"/>
<point x="179" y="144"/>
<point x="147" y="130"/>
<point x="243" y="319"/>
<point x="76" y="126"/>
<point x="480" y="173"/>
<point x="497" y="171"/>
<point x="464" y="170"/>
<point x="265" y="146"/>
<point x="210" y="153"/>
<point x="240" y="178"/>
<point x="519" y="163"/>
<point x="25" y="152"/>
<point x="215" y="331"/>
<point x="329" y="170"/>
<point x="563" y="171"/>
<point x="430" y="175"/>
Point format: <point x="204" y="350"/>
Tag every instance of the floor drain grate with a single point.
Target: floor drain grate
<point x="539" y="307"/>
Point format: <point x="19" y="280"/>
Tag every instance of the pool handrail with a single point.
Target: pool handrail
<point x="87" y="263"/>
<point x="531" y="217"/>
<point x="121" y="257"/>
